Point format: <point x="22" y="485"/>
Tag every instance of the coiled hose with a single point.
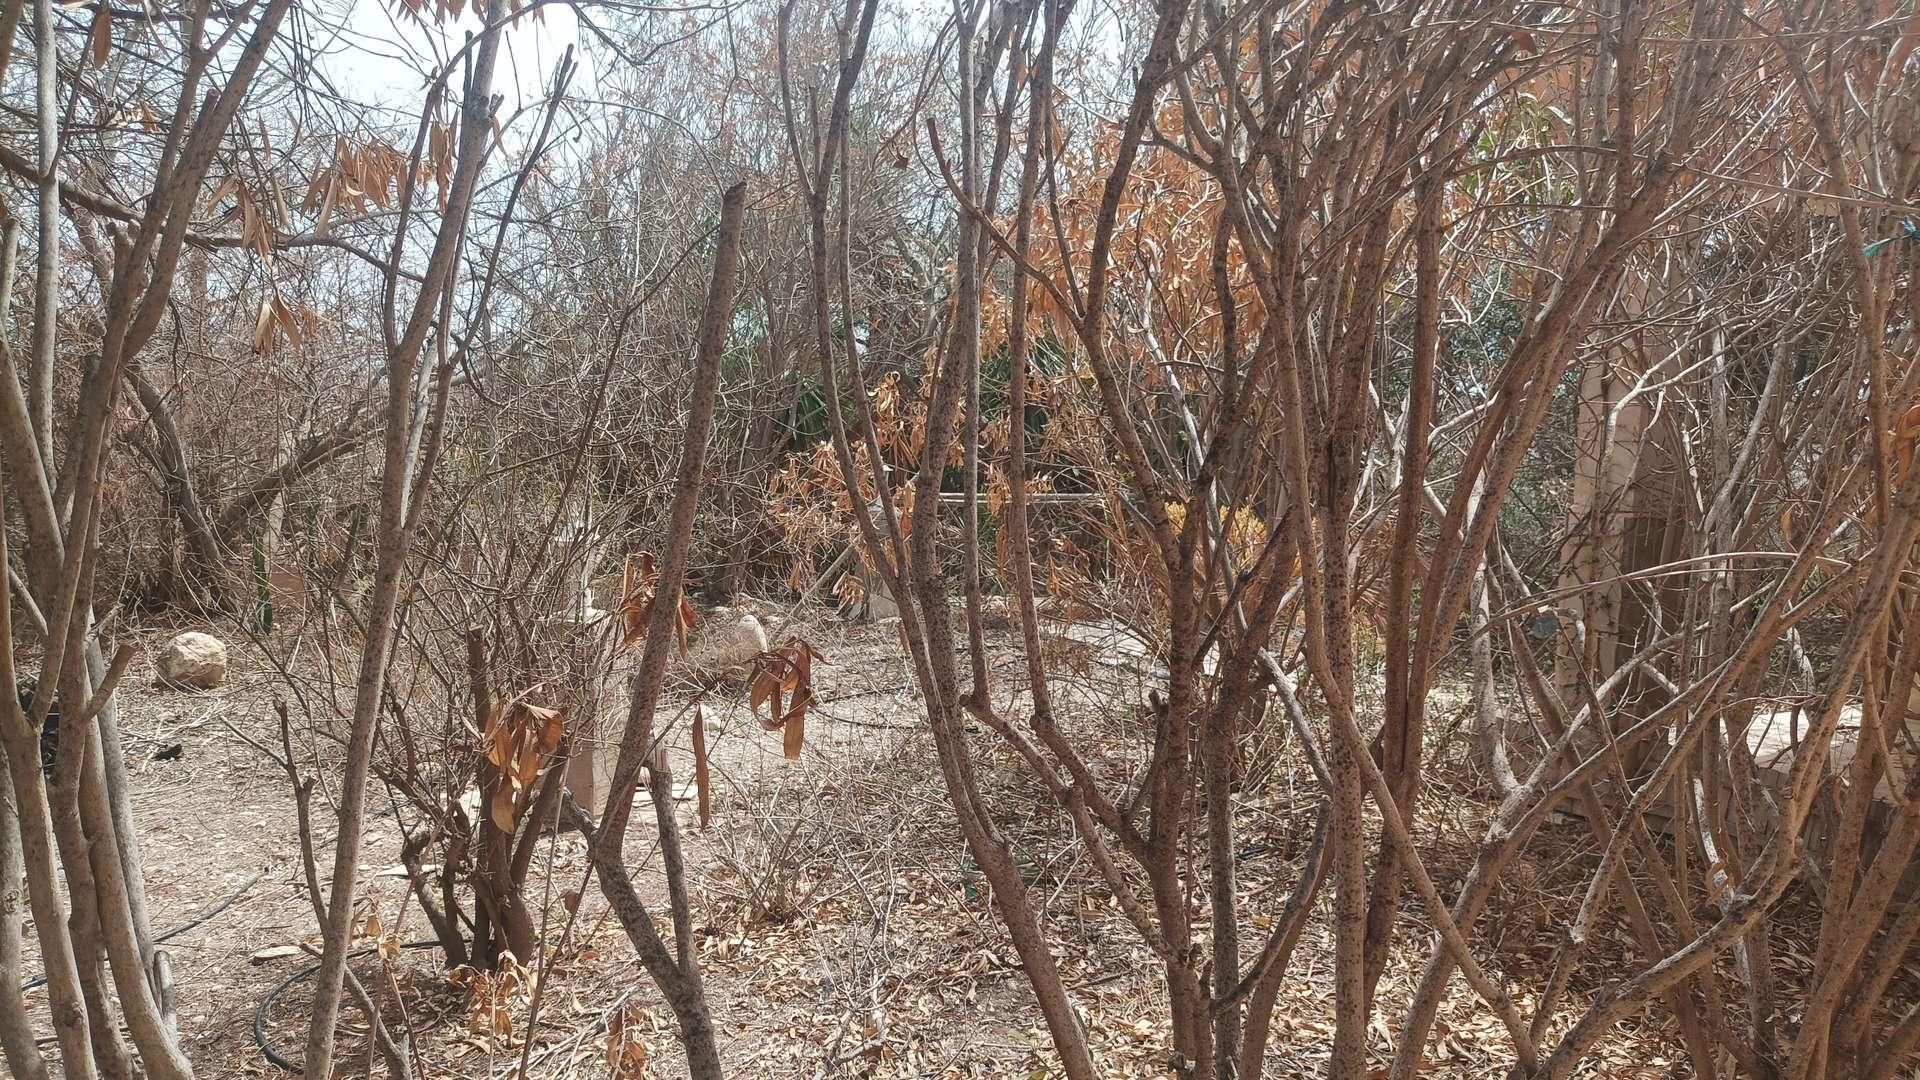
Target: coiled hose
<point x="266" y="1004"/>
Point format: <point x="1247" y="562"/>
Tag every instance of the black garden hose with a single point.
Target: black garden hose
<point x="266" y="1003"/>
<point x="41" y="979"/>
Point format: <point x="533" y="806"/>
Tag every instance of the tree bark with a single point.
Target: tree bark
<point x="16" y="1031"/>
<point x="676" y="972"/>
<point x="395" y="524"/>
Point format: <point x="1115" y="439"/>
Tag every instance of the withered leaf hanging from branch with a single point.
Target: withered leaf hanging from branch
<point x="99" y="37"/>
<point x="637" y="586"/>
<point x="701" y="782"/>
<point x="519" y="738"/>
<point x="783" y="679"/>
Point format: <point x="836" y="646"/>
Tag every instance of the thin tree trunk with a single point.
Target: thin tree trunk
<point x="16" y="1030"/>
<point x="47" y="271"/>
<point x="395" y="525"/>
<point x="676" y="972"/>
<point x="207" y="573"/>
<point x="49" y="920"/>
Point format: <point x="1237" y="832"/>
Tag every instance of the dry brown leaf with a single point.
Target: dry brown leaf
<point x="626" y="1053"/>
<point x="638" y="583"/>
<point x="783" y="679"/>
<point x="701" y="781"/>
<point x="520" y="739"/>
<point x="794" y="733"/>
<point x="100" y="35"/>
<point x="501" y="808"/>
<point x="688" y="619"/>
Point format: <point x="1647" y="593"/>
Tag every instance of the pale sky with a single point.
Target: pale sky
<point x="380" y="56"/>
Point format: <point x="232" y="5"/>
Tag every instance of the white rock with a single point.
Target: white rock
<point x="751" y="633"/>
<point x="193" y="661"/>
<point x="727" y="647"/>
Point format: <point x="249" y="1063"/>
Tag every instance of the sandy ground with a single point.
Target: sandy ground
<point x="844" y="931"/>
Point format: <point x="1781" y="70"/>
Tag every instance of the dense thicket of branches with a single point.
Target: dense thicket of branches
<point x="1568" y="352"/>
